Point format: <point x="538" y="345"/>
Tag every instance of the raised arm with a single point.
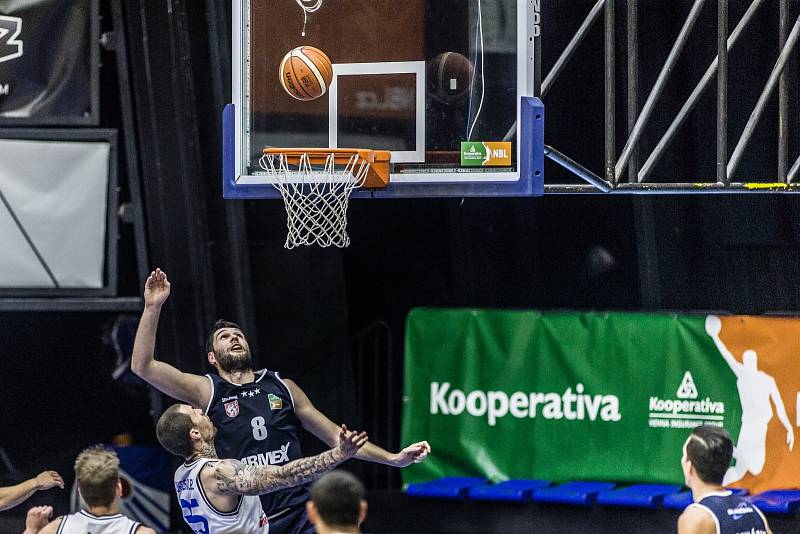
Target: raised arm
<point x="193" y="389"/>
<point x="781" y="411"/>
<point x="713" y="328"/>
<point x="13" y="495"/>
<point x="232" y="477"/>
<point x="326" y="430"/>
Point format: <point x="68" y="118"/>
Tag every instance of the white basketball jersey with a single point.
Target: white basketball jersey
<point x="203" y="518"/>
<point x="86" y="523"/>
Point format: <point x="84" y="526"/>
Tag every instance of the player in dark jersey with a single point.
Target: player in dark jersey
<point x="258" y="414"/>
<point x="706" y="457"/>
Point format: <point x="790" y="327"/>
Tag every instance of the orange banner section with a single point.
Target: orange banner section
<point x="767" y="354"/>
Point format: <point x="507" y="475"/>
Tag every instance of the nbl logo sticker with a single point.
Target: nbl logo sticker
<point x="10" y="46"/>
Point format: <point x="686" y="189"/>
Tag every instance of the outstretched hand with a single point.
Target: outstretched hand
<point x="351" y="441"/>
<point x="48" y="479"/>
<point x="713" y="325"/>
<point x="38" y="517"/>
<point x="156" y="288"/>
<point x="413" y="454"/>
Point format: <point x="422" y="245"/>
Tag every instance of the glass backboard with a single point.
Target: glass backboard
<point x="441" y="84"/>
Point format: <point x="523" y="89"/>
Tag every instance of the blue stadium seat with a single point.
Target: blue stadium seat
<point x="777" y="501"/>
<point x="580" y="493"/>
<point x="679" y="501"/>
<point x="510" y="490"/>
<point x="638" y="495"/>
<point x="444" y="488"/>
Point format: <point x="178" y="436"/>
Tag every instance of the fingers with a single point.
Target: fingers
<point x="157" y="276"/>
<point x="41" y="511"/>
<point x="360" y="439"/>
<point x="38" y="517"/>
<point x="424" y="451"/>
<point x="57" y="478"/>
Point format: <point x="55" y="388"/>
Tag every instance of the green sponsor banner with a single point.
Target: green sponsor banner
<point x="473" y="154"/>
<point x="559" y="396"/>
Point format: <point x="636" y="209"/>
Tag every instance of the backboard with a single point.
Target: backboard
<point x="445" y="85"/>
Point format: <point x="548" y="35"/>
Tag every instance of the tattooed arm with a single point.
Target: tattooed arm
<point x="232" y="477"/>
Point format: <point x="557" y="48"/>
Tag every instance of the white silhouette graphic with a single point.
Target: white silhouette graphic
<point x="756" y="388"/>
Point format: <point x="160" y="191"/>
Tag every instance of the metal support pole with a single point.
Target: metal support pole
<point x="658" y="88"/>
<point x="633" y="80"/>
<point x="722" y="91"/>
<point x="783" y="100"/>
<point x="762" y="100"/>
<point x="610" y="93"/>
<point x="687" y="108"/>
<point x="577" y="169"/>
<point x="790" y="178"/>
<point x="572" y="46"/>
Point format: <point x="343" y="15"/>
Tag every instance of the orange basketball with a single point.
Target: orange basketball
<point x="306" y="73"/>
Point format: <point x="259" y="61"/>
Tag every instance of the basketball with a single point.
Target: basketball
<point x="306" y="73"/>
<point x="449" y="77"/>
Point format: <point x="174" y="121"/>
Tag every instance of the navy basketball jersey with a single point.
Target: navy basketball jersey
<point x="733" y="514"/>
<point x="256" y="424"/>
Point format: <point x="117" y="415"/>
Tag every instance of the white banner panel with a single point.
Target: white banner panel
<point x="58" y="191"/>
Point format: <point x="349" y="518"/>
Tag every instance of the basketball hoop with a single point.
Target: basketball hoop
<point x="316" y="183"/>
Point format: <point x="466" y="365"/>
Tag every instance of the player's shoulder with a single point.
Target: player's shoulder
<point x="52" y="526"/>
<point x="145" y="530"/>
<point x="696" y="519"/>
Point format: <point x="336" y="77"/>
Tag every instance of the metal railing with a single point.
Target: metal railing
<point x="641" y="179"/>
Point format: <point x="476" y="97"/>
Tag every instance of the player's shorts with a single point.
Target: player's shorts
<point x="292" y="521"/>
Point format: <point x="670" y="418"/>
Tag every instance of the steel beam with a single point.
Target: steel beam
<point x="577" y="169"/>
<point x="783" y="100"/>
<point x="738" y="152"/>
<point x="658" y="88"/>
<point x="610" y="93"/>
<point x="690" y="103"/>
<point x="722" y="90"/>
<point x="572" y="46"/>
<point x="633" y="81"/>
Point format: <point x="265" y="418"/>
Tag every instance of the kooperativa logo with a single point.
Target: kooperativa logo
<point x="10" y="46"/>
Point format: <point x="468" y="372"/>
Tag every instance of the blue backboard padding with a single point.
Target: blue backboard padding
<point x="777" y="501"/>
<point x="530" y="161"/>
<point x="510" y="490"/>
<point x="679" y="501"/>
<point x="639" y="495"/>
<point x="444" y="488"/>
<point x="580" y="493"/>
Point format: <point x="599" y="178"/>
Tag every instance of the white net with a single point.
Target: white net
<point x="316" y="196"/>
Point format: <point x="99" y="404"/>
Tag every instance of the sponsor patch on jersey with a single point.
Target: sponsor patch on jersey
<point x="275" y="402"/>
<point x="232" y="408"/>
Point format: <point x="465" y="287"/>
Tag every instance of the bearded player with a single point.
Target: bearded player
<point x="257" y="413"/>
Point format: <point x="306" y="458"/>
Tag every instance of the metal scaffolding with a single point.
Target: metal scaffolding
<point x="640" y="178"/>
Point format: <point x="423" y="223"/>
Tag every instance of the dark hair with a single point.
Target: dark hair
<point x="710" y="450"/>
<point x="172" y="431"/>
<point x="337" y="497"/>
<point x="219" y="325"/>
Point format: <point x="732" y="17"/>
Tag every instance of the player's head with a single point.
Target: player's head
<point x="707" y="455"/>
<point x="97" y="473"/>
<point x="227" y="348"/>
<point x="183" y="430"/>
<point x="337" y="503"/>
<point x="750" y="360"/>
